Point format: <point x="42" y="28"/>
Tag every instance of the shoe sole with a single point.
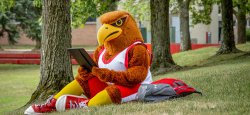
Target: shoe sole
<point x="30" y="111"/>
<point x="60" y="103"/>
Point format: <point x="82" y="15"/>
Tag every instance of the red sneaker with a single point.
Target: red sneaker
<point x="49" y="106"/>
<point x="71" y="102"/>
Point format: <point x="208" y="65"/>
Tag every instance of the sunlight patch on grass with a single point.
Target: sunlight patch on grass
<point x="244" y="47"/>
<point x="194" y="57"/>
<point x="203" y="55"/>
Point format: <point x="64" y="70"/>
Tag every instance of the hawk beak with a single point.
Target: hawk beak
<point x="107" y="33"/>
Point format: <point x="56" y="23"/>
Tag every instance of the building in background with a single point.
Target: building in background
<point x="83" y="36"/>
<point x="200" y="33"/>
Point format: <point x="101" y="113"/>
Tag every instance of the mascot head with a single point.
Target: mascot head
<point x="118" y="31"/>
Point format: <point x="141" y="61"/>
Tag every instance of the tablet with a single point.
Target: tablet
<point x="82" y="57"/>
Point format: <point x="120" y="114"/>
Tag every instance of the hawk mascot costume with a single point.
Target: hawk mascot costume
<point x="123" y="65"/>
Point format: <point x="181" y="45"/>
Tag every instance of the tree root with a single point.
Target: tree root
<point x="228" y="51"/>
<point x="171" y="68"/>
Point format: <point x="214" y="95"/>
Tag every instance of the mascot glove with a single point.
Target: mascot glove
<point x="102" y="73"/>
<point x="82" y="71"/>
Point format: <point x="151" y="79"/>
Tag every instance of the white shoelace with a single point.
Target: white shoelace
<point x="74" y="105"/>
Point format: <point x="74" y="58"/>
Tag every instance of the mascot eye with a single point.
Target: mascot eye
<point x="119" y="22"/>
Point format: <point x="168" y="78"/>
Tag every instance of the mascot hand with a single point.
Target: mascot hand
<point x="102" y="73"/>
<point x="82" y="71"/>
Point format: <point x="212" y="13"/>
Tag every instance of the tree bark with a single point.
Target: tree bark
<point x="228" y="43"/>
<point x="162" y="60"/>
<point x="241" y="18"/>
<point x="184" y="25"/>
<point x="56" y="70"/>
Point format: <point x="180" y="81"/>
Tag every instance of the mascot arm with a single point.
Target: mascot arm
<point x="84" y="72"/>
<point x="138" y="63"/>
<point x="96" y="54"/>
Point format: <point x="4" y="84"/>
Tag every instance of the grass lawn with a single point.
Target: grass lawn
<point x="224" y="81"/>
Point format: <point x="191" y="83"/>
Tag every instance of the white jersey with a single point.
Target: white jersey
<point x="120" y="62"/>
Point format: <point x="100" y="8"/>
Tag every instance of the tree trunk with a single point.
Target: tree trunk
<point x="184" y="19"/>
<point x="38" y="44"/>
<point x="1" y="35"/>
<point x="162" y="60"/>
<point x="56" y="70"/>
<point x="228" y="44"/>
<point x="241" y="18"/>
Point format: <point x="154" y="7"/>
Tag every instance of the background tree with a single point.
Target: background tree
<point x="22" y="16"/>
<point x="29" y="15"/>
<point x="228" y="43"/>
<point x="113" y="5"/>
<point x="242" y="7"/>
<point x="6" y="4"/>
<point x="8" y="27"/>
<point x="81" y="10"/>
<point x="139" y="9"/>
<point x="162" y="60"/>
<point x="200" y="11"/>
<point x="184" y="25"/>
<point x="33" y="31"/>
<point x="56" y="69"/>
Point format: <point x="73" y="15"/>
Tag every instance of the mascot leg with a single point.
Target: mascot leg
<point x="72" y="88"/>
<point x="128" y="93"/>
<point x="102" y="98"/>
<point x="114" y="94"/>
<point x="93" y="88"/>
<point x="111" y="94"/>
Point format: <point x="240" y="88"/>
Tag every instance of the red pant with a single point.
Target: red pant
<point x="127" y="93"/>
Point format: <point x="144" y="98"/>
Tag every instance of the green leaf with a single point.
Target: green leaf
<point x="6" y="4"/>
